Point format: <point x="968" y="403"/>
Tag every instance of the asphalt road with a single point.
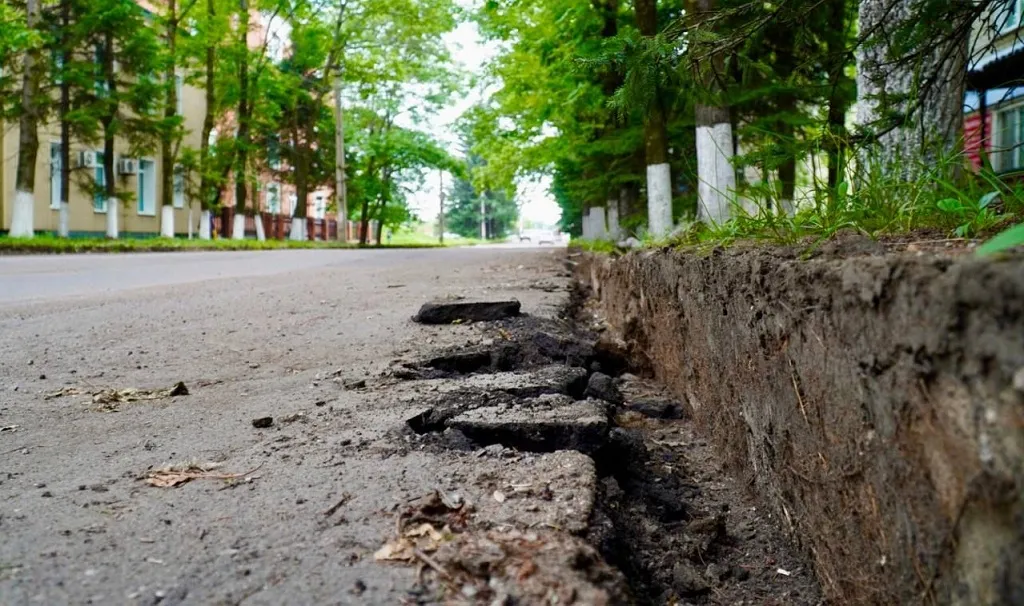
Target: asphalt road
<point x="251" y="335"/>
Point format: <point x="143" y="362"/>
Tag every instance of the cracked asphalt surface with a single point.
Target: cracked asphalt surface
<point x="251" y="335"/>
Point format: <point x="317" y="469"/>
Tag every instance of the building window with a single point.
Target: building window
<point x="1007" y="15"/>
<point x="55" y="175"/>
<point x="320" y="207"/>
<point x="146" y="191"/>
<point x="1010" y="138"/>
<point x="274" y="198"/>
<point x="99" y="199"/>
<point x="179" y="187"/>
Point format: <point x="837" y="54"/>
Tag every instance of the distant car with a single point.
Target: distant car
<point x="539" y="236"/>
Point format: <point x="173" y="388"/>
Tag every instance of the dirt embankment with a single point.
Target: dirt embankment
<point x="876" y="400"/>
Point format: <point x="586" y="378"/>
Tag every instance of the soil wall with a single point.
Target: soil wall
<point x="875" y="401"/>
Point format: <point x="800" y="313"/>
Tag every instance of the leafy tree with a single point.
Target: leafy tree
<point x="122" y="100"/>
<point x="468" y="208"/>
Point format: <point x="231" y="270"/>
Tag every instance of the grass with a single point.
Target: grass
<point x="53" y="245"/>
<point x="973" y="205"/>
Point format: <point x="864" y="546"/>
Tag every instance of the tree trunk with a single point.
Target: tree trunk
<point x="785" y="64"/>
<point x="340" y="178"/>
<point x="244" y="109"/>
<point x="23" y="218"/>
<point x="206" y="192"/>
<point x="839" y="100"/>
<point x="716" y="175"/>
<point x="63" y="229"/>
<point x="109" y="176"/>
<point x="914" y="108"/>
<point x="170" y="111"/>
<point x="659" y="174"/>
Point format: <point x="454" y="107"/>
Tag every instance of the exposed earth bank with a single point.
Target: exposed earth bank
<point x="873" y="396"/>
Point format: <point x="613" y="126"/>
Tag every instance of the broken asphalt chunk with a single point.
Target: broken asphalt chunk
<point x="483" y="311"/>
<point x="537" y="427"/>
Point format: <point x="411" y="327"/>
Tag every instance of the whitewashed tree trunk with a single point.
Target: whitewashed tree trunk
<point x="113" y="206"/>
<point x="238" y="227"/>
<point x="716" y="176"/>
<point x="205" y="218"/>
<point x="261" y="236"/>
<point x="23" y="217"/>
<point x="928" y="91"/>
<point x="659" y="200"/>
<point x="587" y="231"/>
<point x="298" y="232"/>
<point x="599" y="223"/>
<point x="614" y="229"/>
<point x="190" y="224"/>
<point x="167" y="221"/>
<point x="64" y="220"/>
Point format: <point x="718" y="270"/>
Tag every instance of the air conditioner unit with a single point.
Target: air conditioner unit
<point x="87" y="159"/>
<point x="128" y="166"/>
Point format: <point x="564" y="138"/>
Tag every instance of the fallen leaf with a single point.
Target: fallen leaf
<point x="171" y="476"/>
<point x="400" y="550"/>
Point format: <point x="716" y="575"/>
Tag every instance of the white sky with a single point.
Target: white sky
<point x="472" y="53"/>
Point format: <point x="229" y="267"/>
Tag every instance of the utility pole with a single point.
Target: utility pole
<point x="341" y="185"/>
<point x="440" y="216"/>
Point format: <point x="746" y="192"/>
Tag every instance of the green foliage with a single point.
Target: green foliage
<point x="1007" y="240"/>
<point x="52" y="245"/>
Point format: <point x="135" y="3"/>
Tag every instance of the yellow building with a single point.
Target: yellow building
<point x="87" y="214"/>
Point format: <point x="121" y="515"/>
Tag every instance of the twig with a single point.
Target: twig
<point x="7" y="452"/>
<point x="429" y="561"/>
<point x="333" y="508"/>
<point x="796" y="388"/>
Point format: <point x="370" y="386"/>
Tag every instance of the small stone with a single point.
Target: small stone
<point x="716" y="572"/>
<point x="40" y="485"/>
<point x="99" y="488"/>
<point x="263" y="422"/>
<point x="687" y="580"/>
<point x="356" y="384"/>
<point x="42" y="377"/>
<point x="1018" y="380"/>
<point x="602" y="387"/>
<point x="358" y="588"/>
<point x="740" y="574"/>
<point x="46" y="494"/>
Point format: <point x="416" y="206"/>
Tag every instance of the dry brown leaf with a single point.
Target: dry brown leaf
<point x="425" y="530"/>
<point x="171" y="476"/>
<point x="401" y="550"/>
<point x="109" y="399"/>
<point x="168" y="479"/>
